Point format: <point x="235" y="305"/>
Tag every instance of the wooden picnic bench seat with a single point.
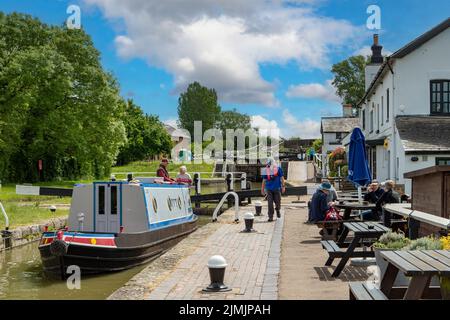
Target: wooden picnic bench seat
<point x="364" y="291"/>
<point x="334" y="251"/>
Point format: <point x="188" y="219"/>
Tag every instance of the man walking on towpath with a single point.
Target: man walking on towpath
<point x="272" y="186"/>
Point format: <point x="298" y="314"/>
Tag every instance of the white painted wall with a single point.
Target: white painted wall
<point x="408" y="86"/>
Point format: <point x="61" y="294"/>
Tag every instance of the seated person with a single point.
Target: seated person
<point x="319" y="203"/>
<point x="331" y="198"/>
<point x="183" y="177"/>
<point x="374" y="192"/>
<point x="389" y="195"/>
<point x="162" y="171"/>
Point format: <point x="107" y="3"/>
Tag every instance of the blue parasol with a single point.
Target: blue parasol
<point x="358" y="167"/>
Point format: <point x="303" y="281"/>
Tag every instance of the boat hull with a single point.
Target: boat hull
<point x="129" y="250"/>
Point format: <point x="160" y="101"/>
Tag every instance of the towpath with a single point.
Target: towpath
<point x="282" y="260"/>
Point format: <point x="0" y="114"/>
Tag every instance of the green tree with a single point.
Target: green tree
<point x="198" y="103"/>
<point x="349" y="79"/>
<point x="56" y="103"/>
<point x="146" y="136"/>
<point x="233" y="120"/>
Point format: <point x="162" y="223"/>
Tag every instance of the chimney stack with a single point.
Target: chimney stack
<point x="376" y="60"/>
<point x="347" y="110"/>
<point x="377" y="57"/>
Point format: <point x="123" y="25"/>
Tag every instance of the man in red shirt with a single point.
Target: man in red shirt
<point x="162" y="171"/>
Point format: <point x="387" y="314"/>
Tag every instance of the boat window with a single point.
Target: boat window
<point x="113" y="199"/>
<point x="101" y="200"/>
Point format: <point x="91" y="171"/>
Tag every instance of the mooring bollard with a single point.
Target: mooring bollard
<point x="52" y="209"/>
<point x="249" y="218"/>
<point x="258" y="208"/>
<point x="217" y="266"/>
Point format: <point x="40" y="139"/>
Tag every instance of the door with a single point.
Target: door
<point x="107" y="207"/>
<point x="447" y="197"/>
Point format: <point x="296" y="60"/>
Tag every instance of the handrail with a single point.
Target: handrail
<point x="5" y="215"/>
<point x="405" y="210"/>
<point x="236" y="206"/>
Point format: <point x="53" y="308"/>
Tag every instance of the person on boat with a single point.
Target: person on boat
<point x="183" y="177"/>
<point x="162" y="171"/>
<point x="272" y="186"/>
<point x="319" y="203"/>
<point x="374" y="193"/>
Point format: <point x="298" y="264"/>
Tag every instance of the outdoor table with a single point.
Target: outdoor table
<point x="350" y="206"/>
<point x="348" y="199"/>
<point x="421" y="266"/>
<point x="361" y="231"/>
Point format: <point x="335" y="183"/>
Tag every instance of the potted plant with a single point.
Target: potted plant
<point x="445" y="281"/>
<point x="390" y="241"/>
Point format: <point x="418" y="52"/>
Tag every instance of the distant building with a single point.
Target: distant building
<point x="405" y="112"/>
<point x="181" y="140"/>
<point x="333" y="130"/>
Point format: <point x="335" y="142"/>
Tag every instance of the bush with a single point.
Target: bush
<point x="392" y="240"/>
<point x="426" y="243"/>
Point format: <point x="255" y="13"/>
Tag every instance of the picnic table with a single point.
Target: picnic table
<point x="363" y="232"/>
<point x="350" y="206"/>
<point x="421" y="266"/>
<point x="348" y="199"/>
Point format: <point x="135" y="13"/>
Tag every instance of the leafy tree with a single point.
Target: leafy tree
<point x="349" y="79"/>
<point x="233" y="120"/>
<point x="146" y="136"/>
<point x="56" y="103"/>
<point x="198" y="103"/>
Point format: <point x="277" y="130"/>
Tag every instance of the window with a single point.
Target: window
<point x="101" y="200"/>
<point x="338" y="135"/>
<point x="378" y="117"/>
<point x="371" y="121"/>
<point x="382" y="110"/>
<point x="387" y="105"/>
<point x="440" y="97"/>
<point x="113" y="199"/>
<point x="443" y="161"/>
<point x="364" y="119"/>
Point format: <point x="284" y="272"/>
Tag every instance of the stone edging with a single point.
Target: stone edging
<point x="270" y="283"/>
<point x="30" y="233"/>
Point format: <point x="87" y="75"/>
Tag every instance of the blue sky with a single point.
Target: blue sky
<point x="269" y="59"/>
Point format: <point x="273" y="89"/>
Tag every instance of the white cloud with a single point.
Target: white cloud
<point x="290" y="127"/>
<point x="314" y="91"/>
<point x="222" y="43"/>
<point x="305" y="129"/>
<point x="266" y="127"/>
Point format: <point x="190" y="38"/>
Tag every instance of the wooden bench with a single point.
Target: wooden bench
<point x="364" y="291"/>
<point x="334" y="251"/>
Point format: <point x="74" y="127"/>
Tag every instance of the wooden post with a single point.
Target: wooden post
<point x="413" y="228"/>
<point x="197" y="188"/>
<point x="387" y="217"/>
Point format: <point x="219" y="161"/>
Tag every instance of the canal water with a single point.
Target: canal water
<point x="22" y="277"/>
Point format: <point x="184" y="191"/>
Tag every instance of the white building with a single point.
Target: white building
<point x="405" y="113"/>
<point x="333" y="130"/>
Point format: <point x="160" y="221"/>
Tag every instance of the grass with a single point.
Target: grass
<point x="26" y="210"/>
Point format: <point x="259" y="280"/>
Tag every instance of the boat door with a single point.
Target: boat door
<point x="107" y="207"/>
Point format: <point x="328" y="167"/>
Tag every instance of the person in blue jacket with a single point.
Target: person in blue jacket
<point x="319" y="203"/>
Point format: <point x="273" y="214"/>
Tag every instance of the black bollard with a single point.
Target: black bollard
<point x="217" y="266"/>
<point x="249" y="218"/>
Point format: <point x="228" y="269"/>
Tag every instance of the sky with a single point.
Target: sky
<point x="270" y="59"/>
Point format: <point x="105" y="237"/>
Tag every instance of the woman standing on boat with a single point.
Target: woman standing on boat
<point x="162" y="171"/>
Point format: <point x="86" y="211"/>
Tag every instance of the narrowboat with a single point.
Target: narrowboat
<point x="115" y="225"/>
